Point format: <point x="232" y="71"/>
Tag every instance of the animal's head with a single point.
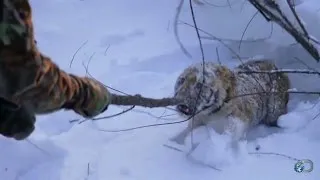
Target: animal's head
<point x="200" y="90"/>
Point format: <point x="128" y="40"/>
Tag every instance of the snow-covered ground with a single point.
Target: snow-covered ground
<point x="144" y="57"/>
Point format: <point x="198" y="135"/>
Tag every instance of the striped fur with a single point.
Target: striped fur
<point x="223" y="103"/>
<point x="31" y="79"/>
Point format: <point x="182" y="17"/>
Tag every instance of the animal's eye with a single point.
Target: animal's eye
<point x="181" y="81"/>
<point x="198" y="85"/>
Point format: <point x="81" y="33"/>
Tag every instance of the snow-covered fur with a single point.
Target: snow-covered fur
<point x="231" y="102"/>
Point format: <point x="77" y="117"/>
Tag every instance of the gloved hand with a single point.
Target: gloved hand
<point x="92" y="99"/>
<point x="15" y="121"/>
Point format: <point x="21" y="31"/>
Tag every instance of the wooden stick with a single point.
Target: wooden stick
<point x="138" y="100"/>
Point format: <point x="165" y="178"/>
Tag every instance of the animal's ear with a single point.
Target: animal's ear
<point x="7" y="104"/>
<point x="180" y="81"/>
<point x="224" y="72"/>
<point x="226" y="75"/>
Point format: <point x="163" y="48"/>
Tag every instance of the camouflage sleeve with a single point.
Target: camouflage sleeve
<point x="30" y="78"/>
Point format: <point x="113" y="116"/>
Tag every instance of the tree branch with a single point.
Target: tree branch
<point x="296" y="71"/>
<point x="138" y="100"/>
<point x="272" y="12"/>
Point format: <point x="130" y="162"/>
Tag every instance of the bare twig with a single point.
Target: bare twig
<point x="218" y="57"/>
<point x="162" y="117"/>
<point x="305" y="64"/>
<point x="245" y="29"/>
<point x="293" y="10"/>
<point x="173" y="148"/>
<point x="89" y="61"/>
<point x="272" y="12"/>
<point x="37" y="147"/>
<point x="215" y="38"/>
<point x="168" y="26"/>
<point x="295" y="71"/>
<point x="114" y="115"/>
<point x="88" y="171"/>
<point x="74" y="55"/>
<point x="154" y="125"/>
<point x="220" y="6"/>
<point x="275" y="154"/>
<point x="105" y="51"/>
<point x="225" y="45"/>
<point x="276" y="92"/>
<point x="146" y="126"/>
<point x="202" y="58"/>
<point x="235" y="40"/>
<point x="175" y="29"/>
<point x="105" y="117"/>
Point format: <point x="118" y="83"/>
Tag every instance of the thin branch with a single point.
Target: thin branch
<point x="217" y="39"/>
<point x="197" y="31"/>
<point x="229" y="4"/>
<point x="221" y="6"/>
<point x="88" y="171"/>
<point x="106" y="117"/>
<point x="225" y="45"/>
<point x="37" y="147"/>
<point x="89" y="61"/>
<point x="293" y="10"/>
<point x="245" y="29"/>
<point x="74" y="55"/>
<point x="105" y="51"/>
<point x="168" y="26"/>
<point x="296" y="71"/>
<point x="276" y="92"/>
<point x="88" y="73"/>
<point x="218" y="57"/>
<point x="178" y="122"/>
<point x="175" y="29"/>
<point x="173" y="148"/>
<point x="114" y="115"/>
<point x="305" y="64"/>
<point x="272" y="12"/>
<point x="202" y="58"/>
<point x="275" y="154"/>
<point x="235" y="40"/>
<point x="162" y="117"/>
<point x="145" y="126"/>
<point x="152" y="125"/>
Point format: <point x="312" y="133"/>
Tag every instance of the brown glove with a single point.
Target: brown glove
<point x="15" y="121"/>
<point x="33" y="80"/>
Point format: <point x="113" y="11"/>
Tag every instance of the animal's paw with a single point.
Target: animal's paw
<point x="220" y="152"/>
<point x="177" y="140"/>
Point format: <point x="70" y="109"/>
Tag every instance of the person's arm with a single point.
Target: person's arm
<point x="31" y="79"/>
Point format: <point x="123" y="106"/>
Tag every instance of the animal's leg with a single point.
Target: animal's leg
<point x="277" y="102"/>
<point x="276" y="108"/>
<point x="237" y="129"/>
<point x="182" y="135"/>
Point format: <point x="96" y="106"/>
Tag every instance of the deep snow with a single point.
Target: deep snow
<point x="144" y="58"/>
